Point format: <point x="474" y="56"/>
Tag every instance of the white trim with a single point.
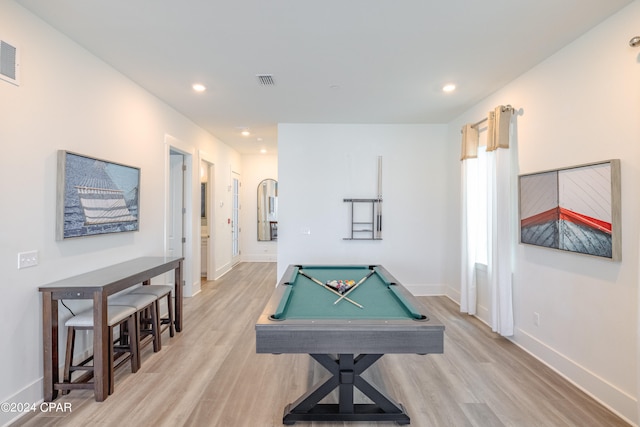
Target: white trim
<point x="31" y="394"/>
<point x="259" y="257"/>
<point x="196" y="288"/>
<point x="578" y="375"/>
<point x="590" y="383"/>
<point x="172" y="143"/>
<point x="222" y="270"/>
<point x="203" y="156"/>
<point x="423" y="290"/>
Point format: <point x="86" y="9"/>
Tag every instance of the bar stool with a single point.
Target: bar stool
<point x="116" y="315"/>
<point x="141" y="303"/>
<point x="160" y="292"/>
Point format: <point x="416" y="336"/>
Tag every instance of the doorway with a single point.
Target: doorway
<point x="175" y="230"/>
<point x="178" y="224"/>
<point x="207" y="219"/>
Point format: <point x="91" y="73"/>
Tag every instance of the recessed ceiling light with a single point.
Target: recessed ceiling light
<point x="259" y="139"/>
<point x="263" y="151"/>
<point x="199" y="87"/>
<point x="245" y="133"/>
<point x="449" y="87"/>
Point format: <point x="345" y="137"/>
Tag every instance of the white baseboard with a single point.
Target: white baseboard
<point x="424" y="290"/>
<point x="616" y="400"/>
<point x="195" y="289"/>
<point x="32" y="394"/>
<point x="259" y="257"/>
<point x="221" y="271"/>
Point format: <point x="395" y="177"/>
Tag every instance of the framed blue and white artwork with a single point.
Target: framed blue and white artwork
<point x="95" y="196"/>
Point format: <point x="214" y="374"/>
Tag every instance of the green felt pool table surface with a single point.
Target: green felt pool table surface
<point x="378" y="295"/>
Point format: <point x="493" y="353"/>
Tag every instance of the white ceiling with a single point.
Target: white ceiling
<point x="333" y="61"/>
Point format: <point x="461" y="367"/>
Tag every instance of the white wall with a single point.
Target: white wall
<point x="321" y="164"/>
<point x="255" y="167"/>
<point x="70" y="100"/>
<point x="580" y="105"/>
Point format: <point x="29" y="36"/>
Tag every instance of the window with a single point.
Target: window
<point x="478" y="182"/>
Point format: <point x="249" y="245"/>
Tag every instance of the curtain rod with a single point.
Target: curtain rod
<point x="479" y="122"/>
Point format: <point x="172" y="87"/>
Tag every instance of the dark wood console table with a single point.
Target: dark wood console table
<point x="97" y="286"/>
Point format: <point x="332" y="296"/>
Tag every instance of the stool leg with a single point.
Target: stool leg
<point x="124" y="333"/>
<point x="172" y="328"/>
<point x="68" y="359"/>
<point x="155" y="326"/>
<point x="110" y="361"/>
<point x="138" y="319"/>
<point x="134" y="342"/>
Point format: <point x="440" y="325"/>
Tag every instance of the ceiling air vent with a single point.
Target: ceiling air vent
<point x="265" y="80"/>
<point x="9" y="63"/>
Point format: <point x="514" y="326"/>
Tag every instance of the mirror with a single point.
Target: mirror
<point x="203" y="203"/>
<point x="268" y="210"/>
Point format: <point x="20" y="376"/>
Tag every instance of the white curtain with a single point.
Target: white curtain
<point x="500" y="248"/>
<point x="499" y="229"/>
<point x="468" y="291"/>
<point x="500" y="215"/>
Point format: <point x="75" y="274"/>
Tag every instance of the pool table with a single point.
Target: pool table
<point x="346" y="332"/>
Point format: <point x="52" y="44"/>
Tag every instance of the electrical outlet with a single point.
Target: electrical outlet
<point x="27" y="259"/>
<point x="536" y="319"/>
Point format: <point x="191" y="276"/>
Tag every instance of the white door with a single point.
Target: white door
<point x="175" y="235"/>
<point x="208" y="221"/>
<point x="235" y="221"/>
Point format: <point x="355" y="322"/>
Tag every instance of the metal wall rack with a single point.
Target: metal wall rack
<point x="367" y="223"/>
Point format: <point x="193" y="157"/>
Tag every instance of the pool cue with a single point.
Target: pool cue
<point x="379" y="204"/>
<point x="354" y="287"/>
<point x="314" y="280"/>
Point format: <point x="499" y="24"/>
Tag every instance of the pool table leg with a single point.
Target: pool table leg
<point x="346" y="374"/>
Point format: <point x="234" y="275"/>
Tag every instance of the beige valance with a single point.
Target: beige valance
<point x="470" y="140"/>
<point x="499" y="121"/>
<point x="498" y="127"/>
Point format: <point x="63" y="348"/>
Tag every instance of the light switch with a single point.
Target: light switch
<point x="27" y="259"/>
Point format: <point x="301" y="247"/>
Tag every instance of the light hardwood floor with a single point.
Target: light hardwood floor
<point x="210" y="374"/>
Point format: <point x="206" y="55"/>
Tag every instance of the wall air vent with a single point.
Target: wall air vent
<point x="265" y="80"/>
<point x="9" y="63"/>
